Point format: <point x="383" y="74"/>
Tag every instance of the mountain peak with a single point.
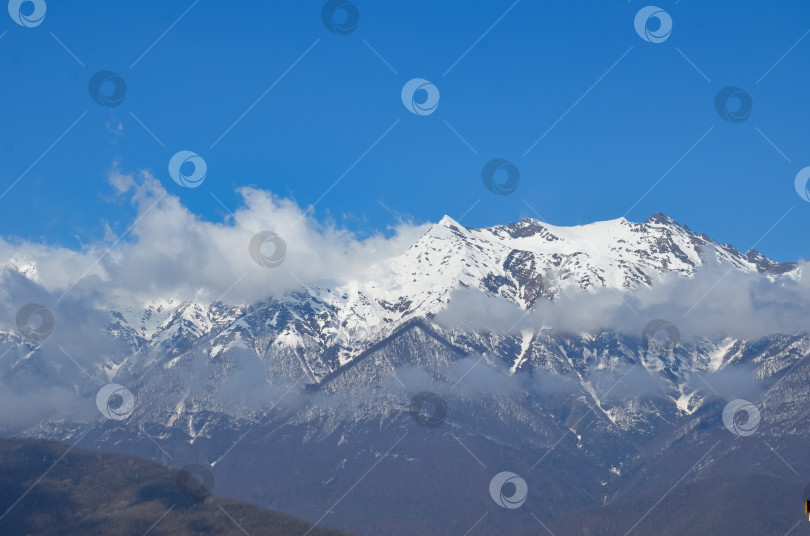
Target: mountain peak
<point x="449" y="222"/>
<point x="525" y="227"/>
<point x="661" y="218"/>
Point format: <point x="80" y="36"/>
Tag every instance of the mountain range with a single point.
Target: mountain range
<point x="388" y="403"/>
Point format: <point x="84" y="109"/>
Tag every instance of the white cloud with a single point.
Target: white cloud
<point x="717" y="302"/>
<point x="170" y="252"/>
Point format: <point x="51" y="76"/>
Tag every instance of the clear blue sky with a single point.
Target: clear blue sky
<point x="507" y="91"/>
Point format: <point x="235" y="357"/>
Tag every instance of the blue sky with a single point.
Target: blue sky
<point x="615" y="113"/>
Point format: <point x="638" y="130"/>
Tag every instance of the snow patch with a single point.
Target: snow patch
<point x="525" y="342"/>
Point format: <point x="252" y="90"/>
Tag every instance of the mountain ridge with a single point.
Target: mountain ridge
<point x="521" y="262"/>
<point x="316" y="386"/>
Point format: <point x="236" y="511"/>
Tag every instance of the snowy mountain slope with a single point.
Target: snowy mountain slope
<point x="322" y="378"/>
<point x="313" y="334"/>
<point x="522" y="262"/>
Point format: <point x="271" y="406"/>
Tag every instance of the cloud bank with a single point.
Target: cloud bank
<point x="717" y="302"/>
<point x="169" y="252"/>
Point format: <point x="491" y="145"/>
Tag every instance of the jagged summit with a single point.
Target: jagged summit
<point x="662" y="219"/>
<point x="524" y="262"/>
<point x="527" y="227"/>
<point x="447" y="221"/>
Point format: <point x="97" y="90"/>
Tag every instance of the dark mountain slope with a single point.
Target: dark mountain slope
<point x="92" y="493"/>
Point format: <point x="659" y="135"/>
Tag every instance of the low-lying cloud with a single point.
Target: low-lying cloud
<point x="717" y="302"/>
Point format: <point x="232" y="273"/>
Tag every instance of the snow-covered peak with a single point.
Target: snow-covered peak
<point x="450" y="223"/>
<point x="524" y="262"/>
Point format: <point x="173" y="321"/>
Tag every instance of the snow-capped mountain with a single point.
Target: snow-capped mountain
<point x="314" y="387"/>
<point x="521" y="262"/>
